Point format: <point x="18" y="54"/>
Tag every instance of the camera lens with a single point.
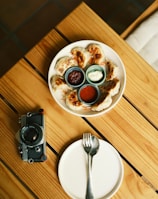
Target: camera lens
<point x="31" y="135"/>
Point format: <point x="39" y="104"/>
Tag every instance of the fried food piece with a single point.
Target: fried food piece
<point x="103" y="103"/>
<point x="108" y="90"/>
<point x="81" y="55"/>
<point x="73" y="102"/>
<point x="59" y="85"/>
<point x="111" y="70"/>
<point x="111" y="86"/>
<point x="64" y="63"/>
<point x="97" y="54"/>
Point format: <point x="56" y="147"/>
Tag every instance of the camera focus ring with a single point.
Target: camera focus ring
<point x="31" y="134"/>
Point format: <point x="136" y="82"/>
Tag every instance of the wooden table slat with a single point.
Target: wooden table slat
<point x="9" y="182"/>
<point x="132" y="186"/>
<point x="137" y="143"/>
<point x="141" y="89"/>
<point x="27" y="98"/>
<point x="131" y="133"/>
<point x="127" y="126"/>
<point x="41" y="54"/>
<point x="43" y="179"/>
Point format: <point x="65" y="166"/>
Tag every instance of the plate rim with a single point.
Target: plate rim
<point x="85" y="43"/>
<point x="120" y="178"/>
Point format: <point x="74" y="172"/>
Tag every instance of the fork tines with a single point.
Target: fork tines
<point x="87" y="141"/>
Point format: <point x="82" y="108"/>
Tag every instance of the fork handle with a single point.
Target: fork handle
<point x="89" y="194"/>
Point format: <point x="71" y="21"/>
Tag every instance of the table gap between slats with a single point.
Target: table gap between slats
<point x="36" y="67"/>
<point x="11" y="106"/>
<point x="89" y="123"/>
<point x="46" y="55"/>
<point x="18" y="181"/>
<point x="142" y="87"/>
<point x="57" y="155"/>
<point x="41" y="173"/>
<point x="126" y="97"/>
<point x="67" y="41"/>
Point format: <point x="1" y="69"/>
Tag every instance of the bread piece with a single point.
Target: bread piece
<point x="111" y="70"/>
<point x="104" y="102"/>
<point x="59" y="86"/>
<point x="97" y="54"/>
<point x="73" y="102"/>
<point x="64" y="63"/>
<point x="81" y="55"/>
<point x="111" y="86"/>
<point x="108" y="90"/>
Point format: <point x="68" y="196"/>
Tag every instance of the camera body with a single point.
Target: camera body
<point x="31" y="136"/>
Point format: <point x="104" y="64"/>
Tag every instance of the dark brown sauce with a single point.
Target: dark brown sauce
<point x="75" y="77"/>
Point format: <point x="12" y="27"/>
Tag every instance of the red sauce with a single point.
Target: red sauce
<point x="88" y="94"/>
<point x="75" y="77"/>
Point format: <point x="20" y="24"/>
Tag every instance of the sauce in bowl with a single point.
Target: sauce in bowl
<point x="75" y="77"/>
<point x="88" y="94"/>
<point x="95" y="74"/>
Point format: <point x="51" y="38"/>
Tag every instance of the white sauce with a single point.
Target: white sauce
<point x="95" y="76"/>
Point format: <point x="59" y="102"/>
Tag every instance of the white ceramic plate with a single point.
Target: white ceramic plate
<point x="107" y="171"/>
<point x="110" y="54"/>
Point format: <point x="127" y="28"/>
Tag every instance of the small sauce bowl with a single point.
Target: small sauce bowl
<point x="75" y="76"/>
<point x="88" y="94"/>
<point x="95" y="74"/>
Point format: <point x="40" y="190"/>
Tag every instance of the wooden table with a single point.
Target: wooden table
<point x="131" y="127"/>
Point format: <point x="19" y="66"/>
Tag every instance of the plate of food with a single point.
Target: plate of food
<point x="87" y="78"/>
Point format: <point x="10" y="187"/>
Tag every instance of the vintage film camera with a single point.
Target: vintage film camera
<point x="31" y="136"/>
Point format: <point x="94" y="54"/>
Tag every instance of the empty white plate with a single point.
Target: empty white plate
<point x="107" y="171"/>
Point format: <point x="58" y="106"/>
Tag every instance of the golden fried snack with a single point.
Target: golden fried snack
<point x="73" y="102"/>
<point x="108" y="90"/>
<point x="103" y="103"/>
<point x="59" y="85"/>
<point x="64" y="63"/>
<point x="111" y="86"/>
<point x="81" y="55"/>
<point x="111" y="70"/>
<point x="97" y="54"/>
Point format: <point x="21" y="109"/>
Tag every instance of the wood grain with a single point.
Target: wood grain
<point x="10" y="186"/>
<point x="140" y="141"/>
<point x="134" y="138"/>
<point x="141" y="88"/>
<point x="30" y="92"/>
<point x="42" y="54"/>
<point x="26" y="90"/>
<point x="42" y="177"/>
<point x="151" y="9"/>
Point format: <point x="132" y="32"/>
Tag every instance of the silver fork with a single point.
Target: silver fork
<point x="87" y="144"/>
